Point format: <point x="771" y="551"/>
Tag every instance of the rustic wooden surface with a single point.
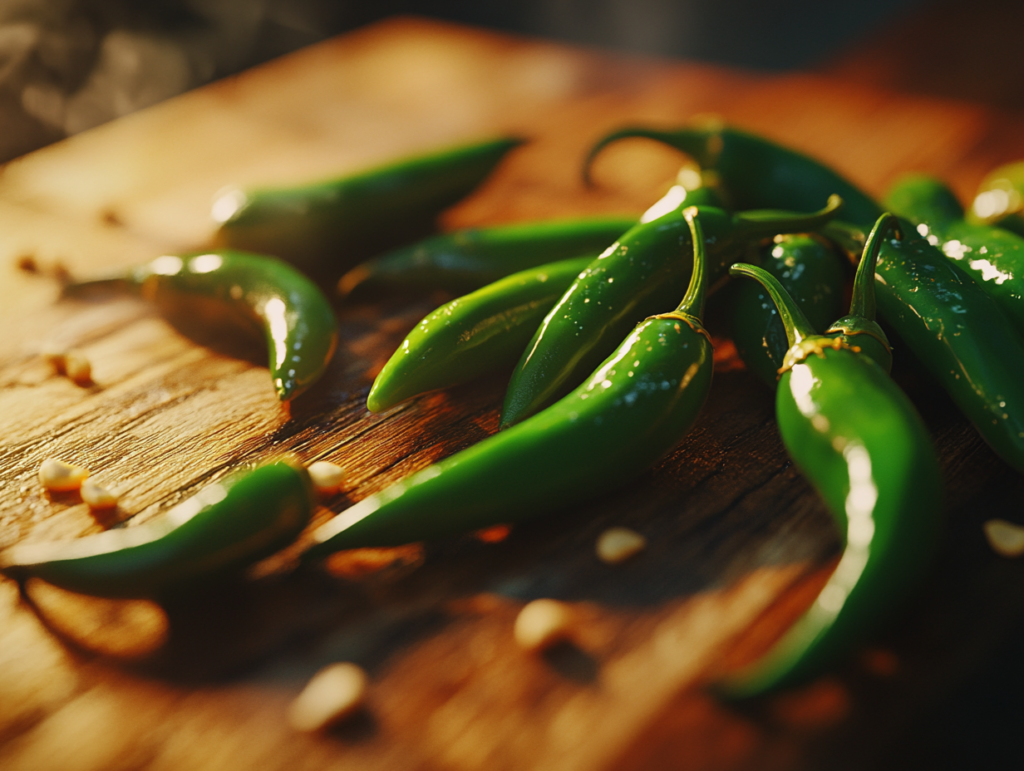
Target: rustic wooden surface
<point x="738" y="543"/>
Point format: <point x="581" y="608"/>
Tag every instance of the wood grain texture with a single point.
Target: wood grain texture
<point x="738" y="542"/>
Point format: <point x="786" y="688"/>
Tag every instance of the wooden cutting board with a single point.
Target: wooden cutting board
<point x="738" y="543"/>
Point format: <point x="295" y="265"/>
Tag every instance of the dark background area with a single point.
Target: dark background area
<point x="68" y="65"/>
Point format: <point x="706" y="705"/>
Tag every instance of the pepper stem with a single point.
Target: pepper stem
<point x="702" y="143"/>
<point x="863" y="300"/>
<point x="797" y="327"/>
<point x="693" y="301"/>
<point x="767" y="222"/>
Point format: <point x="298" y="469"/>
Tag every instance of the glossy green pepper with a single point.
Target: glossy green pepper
<point x="469" y="259"/>
<point x="857" y="438"/>
<point x="993" y="257"/>
<point x="957" y="331"/>
<point x="753" y="172"/>
<point x="472" y="335"/>
<point x="1000" y="199"/>
<point x="634" y="408"/>
<point x="327" y="227"/>
<point x="812" y="272"/>
<point x="634" y="277"/>
<point x="219" y="531"/>
<point x="294" y="315"/>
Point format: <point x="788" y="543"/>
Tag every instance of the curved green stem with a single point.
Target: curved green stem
<point x="862" y="302"/>
<point x="699" y="143"/>
<point x="759" y="221"/>
<point x="797" y="327"/>
<point x="693" y="301"/>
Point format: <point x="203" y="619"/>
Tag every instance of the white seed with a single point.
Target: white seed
<point x="1005" y="538"/>
<point x="542" y="623"/>
<point x="78" y="368"/>
<point x="619" y="543"/>
<point x="96" y="496"/>
<point x="59" y="476"/>
<point x="327" y="477"/>
<point x="334" y="693"/>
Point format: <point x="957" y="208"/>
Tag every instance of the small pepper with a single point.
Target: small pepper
<point x="327" y="227"/>
<point x="472" y="335"/>
<point x="1000" y="199"/>
<point x="635" y="276"/>
<point x="221" y="530"/>
<point x="813" y="273"/>
<point x="466" y="260"/>
<point x="857" y="438"/>
<point x="634" y="408"/>
<point x="993" y="257"/>
<point x="295" y="317"/>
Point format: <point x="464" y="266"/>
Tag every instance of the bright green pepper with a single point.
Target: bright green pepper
<point x="634" y="408"/>
<point x="812" y="273"/>
<point x="294" y="315"/>
<point x="634" y="277"/>
<point x="326" y="228"/>
<point x="956" y="330"/>
<point x="219" y="531"/>
<point x="993" y="257"/>
<point x="472" y="335"/>
<point x="1000" y="199"/>
<point x="859" y="441"/>
<point x="753" y="172"/>
<point x="469" y="259"/>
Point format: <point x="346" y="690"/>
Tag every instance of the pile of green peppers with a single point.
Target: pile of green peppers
<point x="609" y="368"/>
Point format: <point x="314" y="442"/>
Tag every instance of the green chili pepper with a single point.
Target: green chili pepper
<point x="634" y="277"/>
<point x="753" y="172"/>
<point x="329" y="226"/>
<point x="296" y="318"/>
<point x="812" y="272"/>
<point x="635" y="407"/>
<point x="956" y="330"/>
<point x="993" y="257"/>
<point x="472" y="335"/>
<point x="1000" y="199"/>
<point x="469" y="259"/>
<point x="857" y="438"/>
<point x="224" y="528"/>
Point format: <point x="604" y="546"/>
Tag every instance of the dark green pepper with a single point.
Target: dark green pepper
<point x="753" y="172"/>
<point x="294" y="315"/>
<point x="956" y="330"/>
<point x="634" y="408"/>
<point x="812" y="272"/>
<point x="221" y="530"/>
<point x="854" y="434"/>
<point x="326" y="228"/>
<point x="1000" y="199"/>
<point x="993" y="257"/>
<point x="473" y="335"/>
<point x="634" y="277"/>
<point x="469" y="259"/>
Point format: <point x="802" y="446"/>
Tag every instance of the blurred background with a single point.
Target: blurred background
<point x="69" y="65"/>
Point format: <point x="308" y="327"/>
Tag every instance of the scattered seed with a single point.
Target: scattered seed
<point x="327" y="477"/>
<point x="78" y="367"/>
<point x="617" y="544"/>
<point x="27" y="263"/>
<point x="59" y="476"/>
<point x="334" y="693"/>
<point x="542" y="623"/>
<point x="1005" y="538"/>
<point x="96" y="496"/>
<point x="57" y="358"/>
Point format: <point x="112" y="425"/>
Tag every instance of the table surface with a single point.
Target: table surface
<point x="738" y="542"/>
